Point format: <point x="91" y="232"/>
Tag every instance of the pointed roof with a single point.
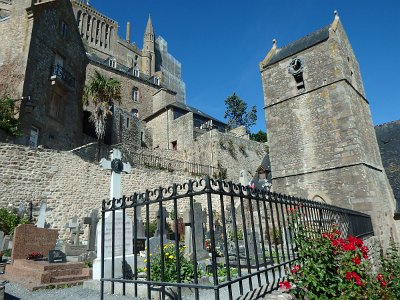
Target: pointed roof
<point x="149" y="26"/>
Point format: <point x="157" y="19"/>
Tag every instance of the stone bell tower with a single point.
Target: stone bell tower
<point x="322" y="140"/>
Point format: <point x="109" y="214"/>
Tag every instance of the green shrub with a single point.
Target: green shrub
<point x="8" y="122"/>
<point x="9" y="220"/>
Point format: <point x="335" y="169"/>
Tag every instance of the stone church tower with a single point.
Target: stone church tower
<point x="148" y="56"/>
<point x="322" y="140"/>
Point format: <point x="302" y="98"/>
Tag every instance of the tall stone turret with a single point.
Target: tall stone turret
<point x="321" y="137"/>
<point x="148" y="51"/>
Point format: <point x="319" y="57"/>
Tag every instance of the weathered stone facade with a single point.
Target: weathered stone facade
<point x="322" y="141"/>
<point x="45" y="40"/>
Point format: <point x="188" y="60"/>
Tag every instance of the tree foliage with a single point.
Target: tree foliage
<point x="8" y="120"/>
<point x="260" y="136"/>
<point x="102" y="93"/>
<point x="236" y="113"/>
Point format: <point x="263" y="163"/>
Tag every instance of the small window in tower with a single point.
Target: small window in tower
<point x="112" y="62"/>
<point x="156" y="80"/>
<point x="174" y="145"/>
<point x="135" y="113"/>
<point x="135" y="94"/>
<point x="127" y="122"/>
<point x="64" y="29"/>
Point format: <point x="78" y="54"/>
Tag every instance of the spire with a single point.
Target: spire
<point x="149" y="26"/>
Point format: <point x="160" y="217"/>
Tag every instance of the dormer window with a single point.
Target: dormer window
<point x="136" y="71"/>
<point x="156" y="80"/>
<point x="112" y="62"/>
<point x="135" y="94"/>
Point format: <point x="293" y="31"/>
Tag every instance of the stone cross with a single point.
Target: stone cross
<point x="198" y="216"/>
<point x="42" y="215"/>
<point x="92" y="222"/>
<point x="116" y="166"/>
<point x="75" y="228"/>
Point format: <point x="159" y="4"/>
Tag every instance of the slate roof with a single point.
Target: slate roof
<point x="300" y="45"/>
<point x="388" y="136"/>
<point x="187" y="108"/>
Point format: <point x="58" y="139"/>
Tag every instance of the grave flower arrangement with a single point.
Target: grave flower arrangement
<point x="34" y="255"/>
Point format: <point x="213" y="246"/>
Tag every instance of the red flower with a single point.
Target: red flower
<point x="356" y="260"/>
<point x="348" y="276"/>
<point x="380" y="277"/>
<point x="284" y="285"/>
<point x="383" y="283"/>
<point x="295" y="269"/>
<point x="348" y="247"/>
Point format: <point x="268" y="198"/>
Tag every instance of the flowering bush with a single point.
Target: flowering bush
<point x="330" y="267"/>
<point x="170" y="271"/>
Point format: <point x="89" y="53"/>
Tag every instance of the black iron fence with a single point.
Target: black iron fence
<point x="213" y="239"/>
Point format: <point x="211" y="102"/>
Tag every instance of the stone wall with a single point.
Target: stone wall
<point x="69" y="185"/>
<point x="227" y="151"/>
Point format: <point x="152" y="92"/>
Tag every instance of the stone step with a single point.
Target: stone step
<point x="34" y="287"/>
<point x="45" y="266"/>
<point x="68" y="278"/>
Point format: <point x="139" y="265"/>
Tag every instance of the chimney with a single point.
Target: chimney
<point x="128" y="32"/>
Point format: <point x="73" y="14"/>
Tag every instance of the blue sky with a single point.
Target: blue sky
<point x="220" y="43"/>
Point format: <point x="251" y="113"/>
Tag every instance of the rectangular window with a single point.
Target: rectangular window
<point x="55" y="107"/>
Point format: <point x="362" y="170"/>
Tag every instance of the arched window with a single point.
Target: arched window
<point x="135" y="94"/>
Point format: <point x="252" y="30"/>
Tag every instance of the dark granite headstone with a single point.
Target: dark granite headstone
<point x="140" y="245"/>
<point x="57" y="256"/>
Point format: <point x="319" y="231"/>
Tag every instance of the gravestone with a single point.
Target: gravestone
<point x="219" y="235"/>
<point x="92" y="221"/>
<point x="140" y="235"/>
<point x="201" y="252"/>
<point x="6" y="243"/>
<point x="118" y="245"/>
<point x="251" y="243"/>
<point x="41" y="222"/>
<point x="57" y="256"/>
<point x="155" y="241"/>
<point x="74" y="249"/>
<point x="28" y="239"/>
<point x="117" y="167"/>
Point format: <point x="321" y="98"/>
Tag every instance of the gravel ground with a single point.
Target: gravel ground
<point x="15" y="291"/>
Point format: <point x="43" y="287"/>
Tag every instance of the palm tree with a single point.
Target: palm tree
<point x="101" y="93"/>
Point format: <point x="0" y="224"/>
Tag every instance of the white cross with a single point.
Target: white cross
<point x="116" y="166"/>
